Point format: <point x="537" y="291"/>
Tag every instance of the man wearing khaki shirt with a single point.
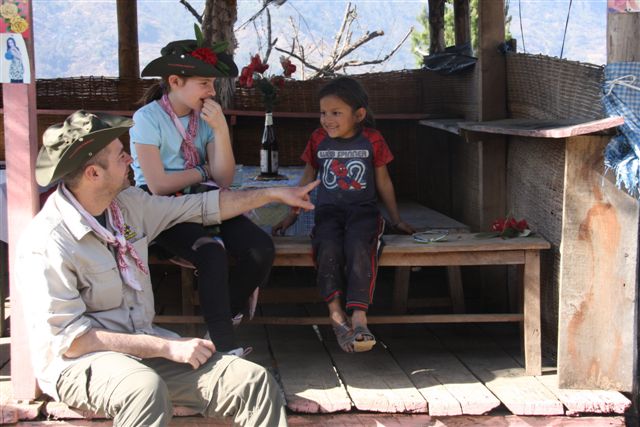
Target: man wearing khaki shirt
<point x="82" y="267"/>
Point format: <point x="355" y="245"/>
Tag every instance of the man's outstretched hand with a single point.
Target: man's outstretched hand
<point x="297" y="197"/>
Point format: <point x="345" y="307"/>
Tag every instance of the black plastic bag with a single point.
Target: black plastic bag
<point x="453" y="59"/>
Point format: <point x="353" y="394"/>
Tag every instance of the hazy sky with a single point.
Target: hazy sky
<point x="79" y="37"/>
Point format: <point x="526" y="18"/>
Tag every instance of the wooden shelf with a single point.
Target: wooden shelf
<point x="533" y="128"/>
<point x="244" y="113"/>
<point x="449" y="125"/>
<point x="542" y="128"/>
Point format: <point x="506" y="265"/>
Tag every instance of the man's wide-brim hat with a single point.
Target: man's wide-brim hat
<point x="177" y="58"/>
<point x="69" y="145"/>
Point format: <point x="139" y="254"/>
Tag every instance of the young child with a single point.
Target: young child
<point x="350" y="157"/>
<point x="180" y="140"/>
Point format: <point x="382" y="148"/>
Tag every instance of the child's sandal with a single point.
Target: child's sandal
<point x="345" y="336"/>
<point x="366" y="343"/>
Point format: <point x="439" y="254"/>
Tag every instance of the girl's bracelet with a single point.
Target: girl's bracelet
<point x="203" y="172"/>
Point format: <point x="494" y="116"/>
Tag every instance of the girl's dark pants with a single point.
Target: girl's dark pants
<point x="346" y="246"/>
<point x="223" y="290"/>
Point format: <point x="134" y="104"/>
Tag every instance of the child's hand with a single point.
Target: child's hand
<point x="280" y="228"/>
<point x="212" y="114"/>
<point x="404" y="227"/>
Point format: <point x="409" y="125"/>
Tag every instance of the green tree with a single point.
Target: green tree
<point x="420" y="39"/>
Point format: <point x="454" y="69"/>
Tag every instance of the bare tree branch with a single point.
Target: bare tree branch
<point x="340" y="33"/>
<point x="265" y="5"/>
<point x="292" y="54"/>
<point x="357" y="63"/>
<point x="362" y="40"/>
<point x="270" y="43"/>
<point x="194" y="12"/>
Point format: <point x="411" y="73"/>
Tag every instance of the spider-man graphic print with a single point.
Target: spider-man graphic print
<point x="346" y="166"/>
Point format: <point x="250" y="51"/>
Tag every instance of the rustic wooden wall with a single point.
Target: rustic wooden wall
<point x="546" y="88"/>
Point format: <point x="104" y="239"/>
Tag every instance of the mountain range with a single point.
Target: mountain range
<point x="79" y="37"/>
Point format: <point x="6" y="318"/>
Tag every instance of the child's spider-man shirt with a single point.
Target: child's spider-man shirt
<point x="346" y="166"/>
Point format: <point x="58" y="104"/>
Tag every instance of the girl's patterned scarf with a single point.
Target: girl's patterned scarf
<point x="188" y="148"/>
<point x="116" y="221"/>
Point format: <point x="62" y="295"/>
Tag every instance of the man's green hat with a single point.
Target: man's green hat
<point x="190" y="58"/>
<point x="69" y="145"/>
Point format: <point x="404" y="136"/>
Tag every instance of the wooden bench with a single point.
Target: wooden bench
<point x="419" y="216"/>
<point x="460" y="249"/>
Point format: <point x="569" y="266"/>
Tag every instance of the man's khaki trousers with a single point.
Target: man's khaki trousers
<point x="141" y="392"/>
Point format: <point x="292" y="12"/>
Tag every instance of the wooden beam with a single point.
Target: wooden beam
<point x="462" y="21"/>
<point x="597" y="273"/>
<point x="623" y="33"/>
<point x="21" y="149"/>
<point x="491" y="106"/>
<point x="128" y="55"/>
<point x="436" y="26"/>
<point x="491" y="149"/>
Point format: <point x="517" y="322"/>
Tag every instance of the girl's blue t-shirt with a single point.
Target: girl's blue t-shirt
<point x="153" y="126"/>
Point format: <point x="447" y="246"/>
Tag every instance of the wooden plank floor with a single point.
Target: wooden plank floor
<point x="438" y="370"/>
<point x="417" y="375"/>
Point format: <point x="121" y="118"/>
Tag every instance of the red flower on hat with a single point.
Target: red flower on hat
<point x="205" y="54"/>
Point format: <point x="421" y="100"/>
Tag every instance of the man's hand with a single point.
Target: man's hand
<point x="194" y="351"/>
<point x="297" y="197"/>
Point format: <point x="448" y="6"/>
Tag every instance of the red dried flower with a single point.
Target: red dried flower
<point x="508" y="227"/>
<point x="205" y="54"/>
<point x="277" y="81"/>
<point x="257" y="65"/>
<point x="498" y="225"/>
<point x="287" y="66"/>
<point x="246" y="77"/>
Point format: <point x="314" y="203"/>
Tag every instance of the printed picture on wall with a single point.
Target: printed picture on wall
<point x="623" y="6"/>
<point x="15" y="59"/>
<point x="14" y="17"/>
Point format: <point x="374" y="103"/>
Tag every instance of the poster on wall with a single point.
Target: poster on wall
<point x="14" y="62"/>
<point x="623" y="6"/>
<point x="14" y="17"/>
<point x="15" y="31"/>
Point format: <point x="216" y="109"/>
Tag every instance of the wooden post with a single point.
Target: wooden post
<point x="597" y="273"/>
<point x="597" y="339"/>
<point x="492" y="149"/>
<point x="623" y="33"/>
<point x="21" y="149"/>
<point x="492" y="102"/>
<point x="128" y="57"/>
<point x="462" y="21"/>
<point x="436" y="26"/>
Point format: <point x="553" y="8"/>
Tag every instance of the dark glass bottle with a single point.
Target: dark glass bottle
<point x="269" y="149"/>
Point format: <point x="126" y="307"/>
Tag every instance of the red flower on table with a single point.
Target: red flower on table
<point x="502" y="224"/>
<point x="506" y="228"/>
<point x="205" y="54"/>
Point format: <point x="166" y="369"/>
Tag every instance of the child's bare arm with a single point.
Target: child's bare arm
<point x="388" y="196"/>
<point x="308" y="175"/>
